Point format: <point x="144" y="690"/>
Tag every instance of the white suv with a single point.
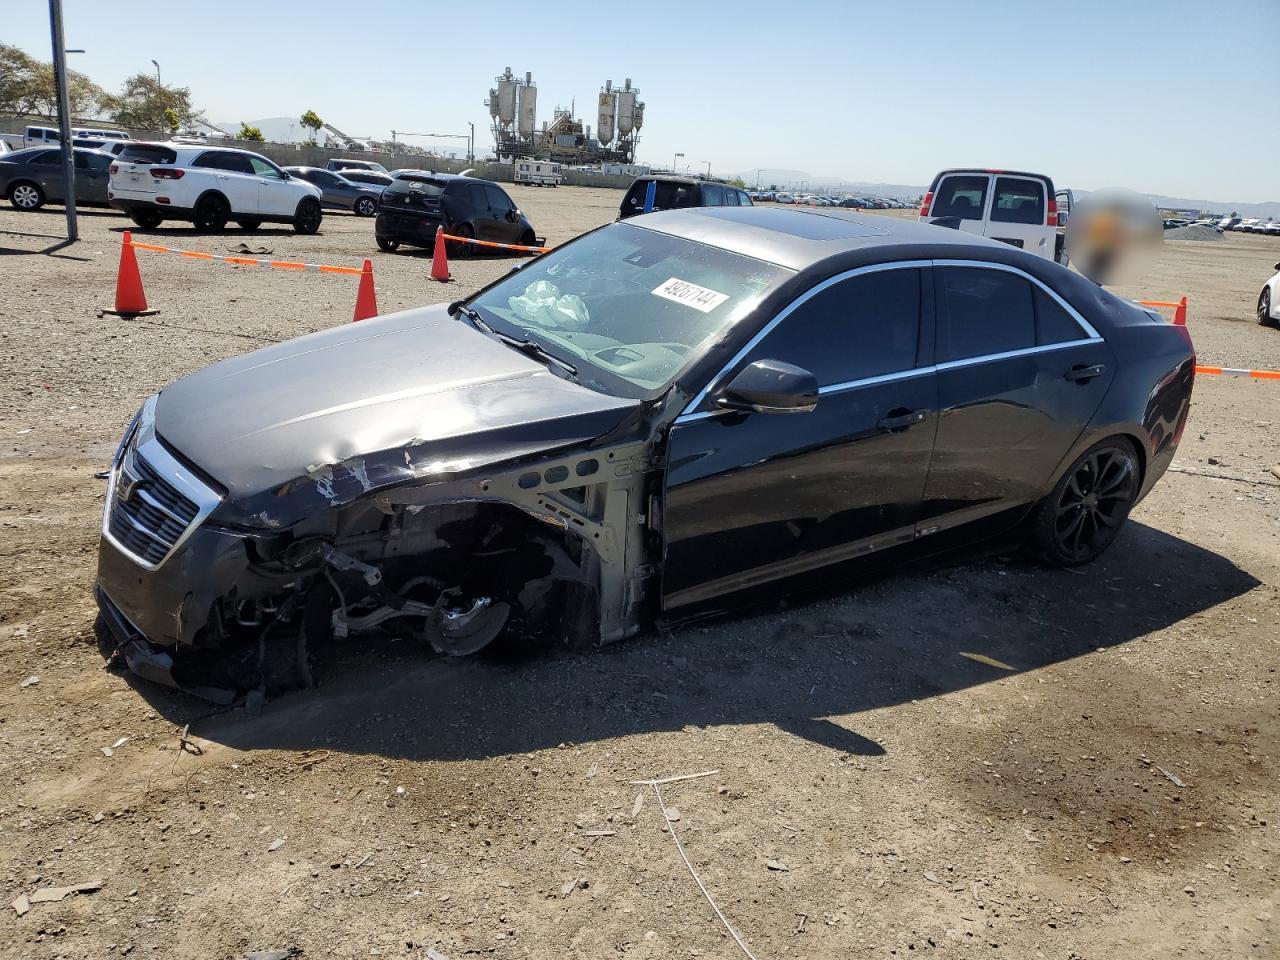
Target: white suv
<point x="153" y="182"/>
<point x="1017" y="208"/>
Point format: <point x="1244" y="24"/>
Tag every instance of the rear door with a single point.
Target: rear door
<point x="1019" y="214"/>
<point x="46" y="170"/>
<point x="1019" y="376"/>
<point x="231" y="175"/>
<point x="755" y="497"/>
<point x="483" y="217"/>
<point x="92" y="177"/>
<point x="961" y="201"/>
<point x="506" y="222"/>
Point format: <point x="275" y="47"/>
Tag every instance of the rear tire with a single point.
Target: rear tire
<point x="1264" y="307"/>
<point x="249" y="225"/>
<point x="387" y="246"/>
<point x="366" y="207"/>
<point x="211" y="213"/>
<point x="1088" y="505"/>
<point x="462" y="249"/>
<point x="147" y="219"/>
<point x="528" y="240"/>
<point x="26" y="196"/>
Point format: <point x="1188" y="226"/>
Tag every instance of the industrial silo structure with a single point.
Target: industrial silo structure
<point x="626" y="110"/>
<point x="528" y="109"/>
<point x="606" y="114"/>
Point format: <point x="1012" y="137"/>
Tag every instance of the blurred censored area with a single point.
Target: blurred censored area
<point x="1113" y="236"/>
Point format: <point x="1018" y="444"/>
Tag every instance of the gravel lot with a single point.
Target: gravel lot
<point x="1112" y="794"/>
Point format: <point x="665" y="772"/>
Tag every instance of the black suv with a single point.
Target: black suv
<point x="671" y="193"/>
<point x="415" y="204"/>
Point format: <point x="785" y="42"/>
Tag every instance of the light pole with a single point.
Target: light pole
<point x="64" y="116"/>
<point x="708" y="163"/>
<point x="673" y="161"/>
<point x="157" y="66"/>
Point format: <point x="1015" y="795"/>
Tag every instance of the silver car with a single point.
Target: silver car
<point x="339" y="193"/>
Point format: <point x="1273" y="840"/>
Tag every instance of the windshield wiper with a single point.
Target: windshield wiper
<point x="528" y="346"/>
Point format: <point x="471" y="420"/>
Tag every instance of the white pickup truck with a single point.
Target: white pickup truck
<point x="1014" y="207"/>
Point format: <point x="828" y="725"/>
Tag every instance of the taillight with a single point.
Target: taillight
<point x="926" y="203"/>
<point x="1051" y="218"/>
<point x="167" y="173"/>
<point x="114" y="168"/>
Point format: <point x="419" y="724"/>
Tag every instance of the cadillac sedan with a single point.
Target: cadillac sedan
<point x="659" y="418"/>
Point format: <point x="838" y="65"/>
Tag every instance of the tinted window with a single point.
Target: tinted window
<point x="712" y="195"/>
<point x="499" y="202"/>
<point x="48" y="158"/>
<point x="475" y="192"/>
<point x="981" y="312"/>
<point x="418" y="187"/>
<point x="861" y="327"/>
<point x="1018" y="201"/>
<point x="962" y="197"/>
<point x="147" y="153"/>
<point x="219" y="160"/>
<point x="744" y="200"/>
<point x="1053" y="323"/>
<point x="92" y="161"/>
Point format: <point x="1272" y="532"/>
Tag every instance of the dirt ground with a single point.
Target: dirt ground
<point x="1107" y="788"/>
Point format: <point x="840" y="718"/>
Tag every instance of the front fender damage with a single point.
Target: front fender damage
<point x="556" y="549"/>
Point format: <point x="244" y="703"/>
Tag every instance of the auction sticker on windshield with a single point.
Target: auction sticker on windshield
<point x="690" y="294"/>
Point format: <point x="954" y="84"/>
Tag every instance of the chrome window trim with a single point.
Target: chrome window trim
<point x="1085" y="325"/>
<point x="785" y="312"/>
<point x="146" y="444"/>
<point x="690" y="414"/>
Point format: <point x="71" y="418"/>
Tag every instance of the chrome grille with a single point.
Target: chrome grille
<point x="148" y="514"/>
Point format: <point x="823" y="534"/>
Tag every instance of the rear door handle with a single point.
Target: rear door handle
<point x="901" y="421"/>
<point x="1082" y="374"/>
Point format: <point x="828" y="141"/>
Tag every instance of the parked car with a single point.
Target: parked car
<point x="32" y="177"/>
<point x="339" y="193"/>
<point x="672" y="193"/>
<point x="343" y="163"/>
<point x="1271" y="228"/>
<point x="154" y="182"/>
<point x="1228" y="223"/>
<point x="1249" y="225"/>
<point x="416" y="204"/>
<point x="99" y="133"/>
<point x="41" y="136"/>
<point x="1016" y="208"/>
<point x="368" y="177"/>
<point x="1269" y="301"/>
<point x="649" y="420"/>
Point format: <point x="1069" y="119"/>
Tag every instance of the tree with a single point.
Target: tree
<point x="737" y="182"/>
<point x="311" y="120"/>
<point x="250" y="133"/>
<point x="145" y="104"/>
<point x="27" y="85"/>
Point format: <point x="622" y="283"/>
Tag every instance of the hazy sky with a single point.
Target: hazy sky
<point x="1165" y="97"/>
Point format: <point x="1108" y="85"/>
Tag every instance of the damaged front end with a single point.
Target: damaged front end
<point x="222" y="594"/>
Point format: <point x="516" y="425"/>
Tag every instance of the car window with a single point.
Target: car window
<point x="48" y="158"/>
<point x="149" y="153"/>
<point x="983" y="312"/>
<point x="480" y="203"/>
<point x="1053" y="323"/>
<point x="865" y="326"/>
<point x="499" y="202"/>
<point x="92" y="161"/>
<point x="264" y="168"/>
<point x="712" y="195"/>
<point x="961" y="196"/>
<point x="630" y="308"/>
<point x="744" y="199"/>
<point x="1018" y="201"/>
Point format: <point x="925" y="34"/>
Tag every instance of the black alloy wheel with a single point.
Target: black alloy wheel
<point x="307" y="219"/>
<point x="211" y="213"/>
<point x="1088" y="506"/>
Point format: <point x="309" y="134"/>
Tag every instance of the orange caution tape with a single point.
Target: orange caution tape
<point x="497" y="246"/>
<point x="248" y="261"/>
<point x="1238" y="372"/>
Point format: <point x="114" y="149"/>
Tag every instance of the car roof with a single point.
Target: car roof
<point x="800" y="239"/>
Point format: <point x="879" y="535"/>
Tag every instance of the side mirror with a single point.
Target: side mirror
<point x="1278" y="267"/>
<point x="770" y="386"/>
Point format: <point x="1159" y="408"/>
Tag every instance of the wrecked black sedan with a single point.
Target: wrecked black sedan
<point x="660" y="417"/>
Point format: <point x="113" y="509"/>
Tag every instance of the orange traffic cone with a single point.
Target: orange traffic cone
<point x="366" y="301"/>
<point x="130" y="300"/>
<point x="1180" y="314"/>
<point x="439" y="260"/>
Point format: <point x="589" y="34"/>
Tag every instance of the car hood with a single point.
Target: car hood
<point x="327" y="418"/>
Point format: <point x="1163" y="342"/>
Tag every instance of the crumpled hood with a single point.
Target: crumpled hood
<point x="360" y="406"/>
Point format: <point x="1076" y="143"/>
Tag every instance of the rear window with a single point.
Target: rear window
<point x="409" y="185"/>
<point x="961" y="196"/>
<point x="147" y="153"/>
<point x="667" y="195"/>
<point x="1018" y="201"/>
